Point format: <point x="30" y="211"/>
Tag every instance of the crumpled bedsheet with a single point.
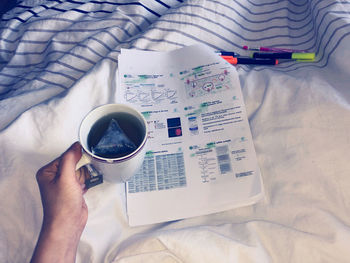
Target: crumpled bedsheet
<point x="58" y="60"/>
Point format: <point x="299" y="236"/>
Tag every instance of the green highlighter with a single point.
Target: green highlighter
<point x="286" y="55"/>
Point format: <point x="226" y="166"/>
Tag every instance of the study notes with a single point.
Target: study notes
<point x="200" y="154"/>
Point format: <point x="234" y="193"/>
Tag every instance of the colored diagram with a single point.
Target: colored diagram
<point x="136" y="95"/>
<point x="208" y="85"/>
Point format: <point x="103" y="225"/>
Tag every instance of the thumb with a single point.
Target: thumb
<point x="69" y="160"/>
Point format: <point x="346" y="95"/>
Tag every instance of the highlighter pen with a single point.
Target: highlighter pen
<point x="250" y="61"/>
<point x="286" y="55"/>
<point x="226" y="53"/>
<point x="273" y="49"/>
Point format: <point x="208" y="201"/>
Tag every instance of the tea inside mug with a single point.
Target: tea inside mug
<point x="115" y="135"/>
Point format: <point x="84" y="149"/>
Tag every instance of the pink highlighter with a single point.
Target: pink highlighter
<point x="272" y="49"/>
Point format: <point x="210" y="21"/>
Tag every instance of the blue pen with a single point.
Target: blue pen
<point x="227" y="53"/>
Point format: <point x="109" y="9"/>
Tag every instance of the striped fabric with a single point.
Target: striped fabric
<point x="58" y="60"/>
<point x="47" y="45"/>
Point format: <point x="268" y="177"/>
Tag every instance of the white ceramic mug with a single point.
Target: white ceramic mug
<point x="115" y="170"/>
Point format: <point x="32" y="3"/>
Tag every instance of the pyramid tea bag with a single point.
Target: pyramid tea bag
<point x="114" y="142"/>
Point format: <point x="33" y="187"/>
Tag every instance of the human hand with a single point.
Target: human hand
<point x="65" y="210"/>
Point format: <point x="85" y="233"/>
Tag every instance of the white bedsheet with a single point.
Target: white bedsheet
<point x="58" y="60"/>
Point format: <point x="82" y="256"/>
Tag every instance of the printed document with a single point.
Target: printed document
<point x="200" y="155"/>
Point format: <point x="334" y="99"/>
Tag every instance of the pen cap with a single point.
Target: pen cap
<point x="230" y="59"/>
<point x="303" y="56"/>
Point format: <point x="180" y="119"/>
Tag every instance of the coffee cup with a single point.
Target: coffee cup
<point x="114" y="168"/>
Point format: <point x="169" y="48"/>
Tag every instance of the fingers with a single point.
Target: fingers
<point x="63" y="166"/>
<point x="48" y="172"/>
<point x="73" y="153"/>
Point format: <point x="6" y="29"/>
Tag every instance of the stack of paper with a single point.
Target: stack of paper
<point x="200" y="154"/>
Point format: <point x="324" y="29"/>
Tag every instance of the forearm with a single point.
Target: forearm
<point x="64" y="208"/>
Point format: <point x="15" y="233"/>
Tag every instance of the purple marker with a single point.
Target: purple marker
<point x="273" y="49"/>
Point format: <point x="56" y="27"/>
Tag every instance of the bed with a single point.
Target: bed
<point x="58" y="60"/>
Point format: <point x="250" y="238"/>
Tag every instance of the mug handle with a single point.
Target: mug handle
<point x="96" y="177"/>
<point x="84" y="160"/>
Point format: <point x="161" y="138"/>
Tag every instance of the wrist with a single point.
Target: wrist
<point x="63" y="229"/>
<point x="66" y="234"/>
<point x="56" y="245"/>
